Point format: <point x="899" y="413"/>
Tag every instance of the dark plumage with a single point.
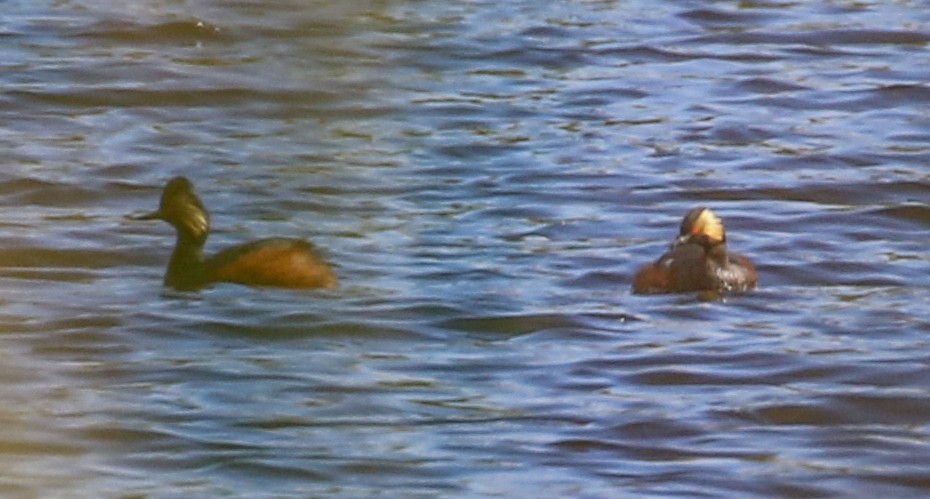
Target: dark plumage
<point x="277" y="262"/>
<point x="697" y="261"/>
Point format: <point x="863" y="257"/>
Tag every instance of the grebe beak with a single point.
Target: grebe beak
<point x="681" y="240"/>
<point x="155" y="215"/>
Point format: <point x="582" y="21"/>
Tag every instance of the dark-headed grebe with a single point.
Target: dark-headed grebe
<point x="277" y="262"/>
<point x="697" y="261"/>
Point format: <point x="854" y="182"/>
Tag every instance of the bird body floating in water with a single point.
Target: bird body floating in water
<point x="697" y="261"/>
<point x="275" y="262"/>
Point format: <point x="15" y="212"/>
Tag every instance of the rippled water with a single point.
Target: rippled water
<point x="487" y="176"/>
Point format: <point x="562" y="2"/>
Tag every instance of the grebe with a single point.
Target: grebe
<point x="276" y="262"/>
<point x="697" y="261"/>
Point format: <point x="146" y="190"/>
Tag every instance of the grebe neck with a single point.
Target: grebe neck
<point x="185" y="269"/>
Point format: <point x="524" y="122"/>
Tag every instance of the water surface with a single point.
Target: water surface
<point x="487" y="177"/>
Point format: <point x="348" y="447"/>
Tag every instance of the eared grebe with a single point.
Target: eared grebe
<point x="277" y="262"/>
<point x="697" y="261"/>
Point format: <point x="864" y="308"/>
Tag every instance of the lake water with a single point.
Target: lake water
<point x="487" y="176"/>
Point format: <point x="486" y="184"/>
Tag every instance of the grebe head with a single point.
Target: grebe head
<point x="701" y="226"/>
<point x="180" y="207"/>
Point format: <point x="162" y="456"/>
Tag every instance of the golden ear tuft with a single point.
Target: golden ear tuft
<point x="709" y="225"/>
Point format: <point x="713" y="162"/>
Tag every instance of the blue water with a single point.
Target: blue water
<point x="487" y="178"/>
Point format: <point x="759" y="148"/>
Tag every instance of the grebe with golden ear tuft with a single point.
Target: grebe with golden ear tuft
<point x="697" y="261"/>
